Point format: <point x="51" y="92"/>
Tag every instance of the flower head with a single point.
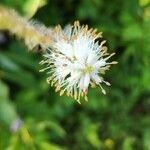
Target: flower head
<point x="76" y="60"/>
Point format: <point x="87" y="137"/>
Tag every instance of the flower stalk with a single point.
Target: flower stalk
<point x="33" y="33"/>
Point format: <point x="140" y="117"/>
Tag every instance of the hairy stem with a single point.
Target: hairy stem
<point x="33" y="33"/>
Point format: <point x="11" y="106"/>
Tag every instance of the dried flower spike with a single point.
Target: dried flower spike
<point x="76" y="60"/>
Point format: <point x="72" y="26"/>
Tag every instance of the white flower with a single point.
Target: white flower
<point x="76" y="60"/>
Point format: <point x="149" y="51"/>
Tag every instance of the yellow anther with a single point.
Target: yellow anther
<point x="93" y="84"/>
<point x="57" y="89"/>
<point x="75" y="95"/>
<point x="61" y="92"/>
<point x="114" y="62"/>
<point x="86" y="98"/>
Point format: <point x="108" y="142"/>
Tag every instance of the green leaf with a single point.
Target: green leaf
<point x="132" y="32"/>
<point x="21" y="77"/>
<point x="7" y="64"/>
<point x="128" y="143"/>
<point x="146" y="139"/>
<point x="91" y="135"/>
<point x="7" y="113"/>
<point x="4" y="91"/>
<point x="27" y="7"/>
<point x="144" y="2"/>
<point x="49" y="146"/>
<point x="54" y="126"/>
<point x="31" y="6"/>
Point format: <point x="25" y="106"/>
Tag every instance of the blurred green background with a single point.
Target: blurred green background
<point x="118" y="121"/>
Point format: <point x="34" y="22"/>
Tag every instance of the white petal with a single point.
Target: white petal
<point x="78" y="66"/>
<point x="81" y="83"/>
<point x="81" y="48"/>
<point x="62" y="72"/>
<point x="86" y="81"/>
<point x="65" y="48"/>
<point x="74" y="78"/>
<point x="68" y="31"/>
<point x="96" y="78"/>
<point x="92" y="58"/>
<point x="99" y="64"/>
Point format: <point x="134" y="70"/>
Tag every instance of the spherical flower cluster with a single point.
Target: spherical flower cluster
<point x="76" y="60"/>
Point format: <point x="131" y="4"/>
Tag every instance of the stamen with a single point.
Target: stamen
<point x="107" y="83"/>
<point x="109" y="56"/>
<point x="57" y="89"/>
<point x="82" y="94"/>
<point x="65" y="38"/>
<point x="78" y="101"/>
<point x="85" y="91"/>
<point x="103" y="91"/>
<point x="61" y="92"/>
<point x="86" y="98"/>
<point x="77" y="24"/>
<point x="52" y="83"/>
<point x="104" y="48"/>
<point x="96" y="36"/>
<point x="112" y="63"/>
<point x="74" y="37"/>
<point x="79" y="95"/>
<point x="85" y="30"/>
<point x="42" y="70"/>
<point x="93" y="84"/>
<point x="42" y="62"/>
<point x="57" y="29"/>
<point x="75" y="95"/>
<point x="49" y="79"/>
<point x="102" y="43"/>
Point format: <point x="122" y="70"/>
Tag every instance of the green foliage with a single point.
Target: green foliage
<point x="118" y="121"/>
<point x="27" y="7"/>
